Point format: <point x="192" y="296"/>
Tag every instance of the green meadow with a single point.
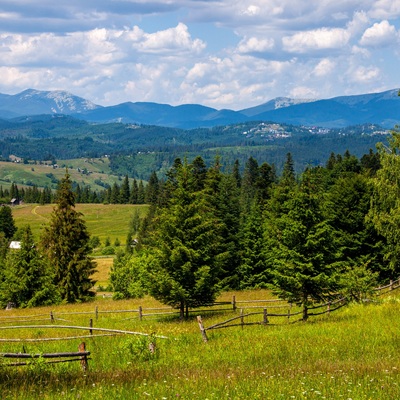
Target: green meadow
<point x="349" y="354"/>
<point x="102" y="220"/>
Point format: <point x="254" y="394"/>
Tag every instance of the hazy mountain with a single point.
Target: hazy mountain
<point x="186" y="116"/>
<point x="33" y="102"/>
<point x="274" y="104"/>
<point x="377" y="108"/>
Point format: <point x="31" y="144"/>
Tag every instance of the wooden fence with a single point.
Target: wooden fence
<point x="50" y="358"/>
<point x="244" y="318"/>
<point x="141" y="313"/>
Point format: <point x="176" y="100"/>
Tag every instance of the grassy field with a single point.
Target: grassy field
<point x="351" y="354"/>
<point x="102" y="220"/>
<point x="44" y="175"/>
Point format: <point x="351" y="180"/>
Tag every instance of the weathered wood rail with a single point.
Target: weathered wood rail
<point x="51" y="358"/>
<point x="327" y="308"/>
<point x="142" y="313"/>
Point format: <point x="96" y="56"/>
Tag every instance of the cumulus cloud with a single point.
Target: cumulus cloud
<point x="255" y="45"/>
<point x="365" y="74"/>
<point x="324" y="67"/>
<point x="222" y="53"/>
<point x="379" y="35"/>
<point x="319" y="39"/>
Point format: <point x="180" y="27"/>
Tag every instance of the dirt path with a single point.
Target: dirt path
<point x="34" y="211"/>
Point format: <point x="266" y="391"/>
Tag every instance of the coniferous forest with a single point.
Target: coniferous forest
<point x="331" y="230"/>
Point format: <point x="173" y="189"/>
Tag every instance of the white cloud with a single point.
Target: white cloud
<point x="365" y="74"/>
<point x="379" y="35"/>
<point x="255" y="45"/>
<point x="324" y="67"/>
<point x="303" y="92"/>
<point x="319" y="39"/>
<point x="385" y="9"/>
<point x="177" y="39"/>
<point x="222" y="53"/>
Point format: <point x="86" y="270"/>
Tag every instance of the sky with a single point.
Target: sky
<point x="230" y="54"/>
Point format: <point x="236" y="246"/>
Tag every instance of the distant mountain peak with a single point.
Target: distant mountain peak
<point x="53" y="102"/>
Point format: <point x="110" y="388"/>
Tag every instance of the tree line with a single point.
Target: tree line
<point x="135" y="192"/>
<point x="330" y="230"/>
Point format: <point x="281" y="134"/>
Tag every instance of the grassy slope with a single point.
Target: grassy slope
<point x="101" y="220"/>
<point x="21" y="174"/>
<point x="351" y="354"/>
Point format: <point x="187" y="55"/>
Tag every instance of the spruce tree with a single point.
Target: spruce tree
<point x="186" y="257"/>
<point x="66" y="242"/>
<point x="7" y="225"/>
<point x="27" y="279"/>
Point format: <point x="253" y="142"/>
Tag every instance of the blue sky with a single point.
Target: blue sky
<point x="220" y="53"/>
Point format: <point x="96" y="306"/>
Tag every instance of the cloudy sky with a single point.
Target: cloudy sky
<point x="220" y="53"/>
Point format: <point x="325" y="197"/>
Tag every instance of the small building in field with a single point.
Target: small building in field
<point x="15" y="245"/>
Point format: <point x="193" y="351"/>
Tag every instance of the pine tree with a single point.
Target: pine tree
<point x="186" y="254"/>
<point x="133" y="198"/>
<point x="66" y="243"/>
<point x="152" y="189"/>
<point x="28" y="279"/>
<point x="385" y="204"/>
<point x="7" y="224"/>
<point x="124" y="192"/>
<point x="300" y="248"/>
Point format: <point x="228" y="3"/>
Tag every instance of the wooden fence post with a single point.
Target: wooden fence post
<point x="288" y="315"/>
<point x="241" y="317"/>
<point x="305" y="312"/>
<point x="265" y="317"/>
<point x="97" y="312"/>
<point x="84" y="363"/>
<point x="51" y="316"/>
<point x="140" y="313"/>
<point x="234" y="302"/>
<point x="391" y="284"/>
<point x="91" y="326"/>
<point x="329" y="308"/>
<point x="202" y="329"/>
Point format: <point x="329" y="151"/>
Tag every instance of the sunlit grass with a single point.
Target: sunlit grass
<point x="351" y="354"/>
<point x="105" y="221"/>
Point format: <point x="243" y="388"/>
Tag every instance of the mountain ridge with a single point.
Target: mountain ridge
<point x="381" y="108"/>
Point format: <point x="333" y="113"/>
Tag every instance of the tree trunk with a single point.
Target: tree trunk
<point x="182" y="311"/>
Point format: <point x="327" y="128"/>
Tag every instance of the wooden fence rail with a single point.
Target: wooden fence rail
<point x="329" y="307"/>
<point x="141" y="312"/>
<point x="81" y="355"/>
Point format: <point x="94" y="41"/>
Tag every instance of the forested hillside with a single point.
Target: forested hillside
<point x="138" y="150"/>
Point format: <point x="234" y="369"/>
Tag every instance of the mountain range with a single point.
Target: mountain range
<point x="377" y="108"/>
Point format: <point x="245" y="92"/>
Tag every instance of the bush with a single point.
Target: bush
<point x="108" y="251"/>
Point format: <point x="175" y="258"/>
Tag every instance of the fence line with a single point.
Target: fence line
<point x="143" y="312"/>
<point x="339" y="303"/>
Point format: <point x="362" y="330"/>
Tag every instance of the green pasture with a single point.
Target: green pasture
<point x="102" y="220"/>
<point x="84" y="171"/>
<point x="350" y="354"/>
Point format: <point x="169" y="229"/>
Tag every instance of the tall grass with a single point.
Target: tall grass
<point x="351" y="354"/>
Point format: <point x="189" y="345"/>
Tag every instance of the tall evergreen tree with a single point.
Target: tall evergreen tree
<point x="28" y="279"/>
<point x="66" y="243"/>
<point x="301" y="250"/>
<point x="7" y="224"/>
<point x="124" y="191"/>
<point x="187" y="256"/>
<point x="385" y="205"/>
<point x="152" y="189"/>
